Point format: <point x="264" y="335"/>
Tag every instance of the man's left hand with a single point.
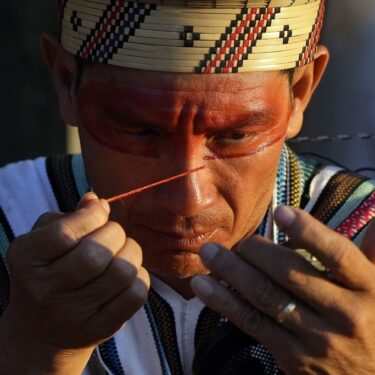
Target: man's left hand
<point x="312" y="322"/>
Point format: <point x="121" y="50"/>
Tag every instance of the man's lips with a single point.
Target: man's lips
<point x="183" y="241"/>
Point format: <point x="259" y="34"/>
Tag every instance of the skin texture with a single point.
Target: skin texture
<point x="187" y="126"/>
<point x="189" y="119"/>
<point x="83" y="272"/>
<point x="76" y="279"/>
<point x="331" y="331"/>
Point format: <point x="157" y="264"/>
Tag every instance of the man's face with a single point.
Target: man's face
<point x="139" y="127"/>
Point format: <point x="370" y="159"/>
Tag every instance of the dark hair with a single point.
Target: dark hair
<point x="290" y="74"/>
<point x="80" y="68"/>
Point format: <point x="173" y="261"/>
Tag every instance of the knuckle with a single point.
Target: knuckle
<point x="356" y="321"/>
<point x="95" y="257"/>
<point x="250" y="320"/>
<point x="294" y="276"/>
<point x="46" y="218"/>
<point x="307" y="229"/>
<point x="139" y="293"/>
<point x="222" y="262"/>
<point x="117" y="231"/>
<point x="135" y="248"/>
<point x="96" y="213"/>
<point x="225" y="302"/>
<point x="145" y="277"/>
<point x="64" y="234"/>
<point x="340" y="256"/>
<point x="125" y="271"/>
<point x="327" y="346"/>
<point x="267" y="295"/>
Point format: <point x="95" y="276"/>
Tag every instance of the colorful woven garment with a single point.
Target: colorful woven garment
<point x="193" y="36"/>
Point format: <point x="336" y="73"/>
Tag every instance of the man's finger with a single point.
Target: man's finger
<point x="344" y="260"/>
<point x="53" y="240"/>
<point x="121" y="308"/>
<point x="47" y="218"/>
<point x="121" y="272"/>
<point x="89" y="259"/>
<point x="243" y="315"/>
<point x="255" y="287"/>
<point x="368" y="243"/>
<point x="86" y="199"/>
<point x="288" y="269"/>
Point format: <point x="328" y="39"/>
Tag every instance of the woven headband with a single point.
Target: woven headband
<point x="194" y="36"/>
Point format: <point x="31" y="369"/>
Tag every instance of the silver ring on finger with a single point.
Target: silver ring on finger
<point x="286" y="312"/>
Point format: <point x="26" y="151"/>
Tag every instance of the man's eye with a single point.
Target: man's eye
<point x="238" y="136"/>
<point x="233" y="136"/>
<point x="144" y="133"/>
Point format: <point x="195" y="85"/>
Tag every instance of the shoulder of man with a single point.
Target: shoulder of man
<point x="343" y="200"/>
<point x="27" y="190"/>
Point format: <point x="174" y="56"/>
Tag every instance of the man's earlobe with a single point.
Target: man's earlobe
<point x="305" y="82"/>
<point x="63" y="70"/>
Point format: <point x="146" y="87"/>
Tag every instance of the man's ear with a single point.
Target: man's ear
<point x="63" y="70"/>
<point x="306" y="80"/>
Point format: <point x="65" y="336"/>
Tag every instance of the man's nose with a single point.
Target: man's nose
<point x="188" y="196"/>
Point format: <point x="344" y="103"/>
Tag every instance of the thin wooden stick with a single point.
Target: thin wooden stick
<point x="169" y="179"/>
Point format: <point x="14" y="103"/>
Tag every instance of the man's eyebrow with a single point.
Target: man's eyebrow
<point x="249" y="119"/>
<point x="126" y="119"/>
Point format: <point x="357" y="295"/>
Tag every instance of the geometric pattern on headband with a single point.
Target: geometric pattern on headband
<point x="194" y="36"/>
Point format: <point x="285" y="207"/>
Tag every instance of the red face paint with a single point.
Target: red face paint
<point x="252" y="151"/>
<point x="100" y="118"/>
<point x="118" y="119"/>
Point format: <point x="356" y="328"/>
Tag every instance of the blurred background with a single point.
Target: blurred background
<point x="344" y="105"/>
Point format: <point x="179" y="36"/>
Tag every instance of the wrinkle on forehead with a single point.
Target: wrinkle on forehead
<point x="181" y="82"/>
<point x="171" y="100"/>
<point x="124" y="105"/>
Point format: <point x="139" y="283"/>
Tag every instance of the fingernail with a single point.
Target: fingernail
<point x="285" y="216"/>
<point x="105" y="205"/>
<point x="201" y="286"/>
<point x="208" y="252"/>
<point x="90" y="197"/>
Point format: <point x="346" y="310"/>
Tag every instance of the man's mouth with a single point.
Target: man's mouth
<point x="181" y="241"/>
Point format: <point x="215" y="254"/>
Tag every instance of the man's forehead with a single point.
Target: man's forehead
<point x="119" y="77"/>
<point x="223" y="107"/>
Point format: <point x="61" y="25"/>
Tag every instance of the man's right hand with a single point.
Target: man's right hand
<point x="75" y="279"/>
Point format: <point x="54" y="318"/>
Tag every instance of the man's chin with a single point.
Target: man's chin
<point x="178" y="266"/>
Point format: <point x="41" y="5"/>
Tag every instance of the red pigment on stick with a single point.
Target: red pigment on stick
<point x="169" y="179"/>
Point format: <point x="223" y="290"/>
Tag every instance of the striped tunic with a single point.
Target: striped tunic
<point x="164" y="336"/>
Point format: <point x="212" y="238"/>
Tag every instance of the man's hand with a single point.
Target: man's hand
<point x="75" y="280"/>
<point x="332" y="329"/>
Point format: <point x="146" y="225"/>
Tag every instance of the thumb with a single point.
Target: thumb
<point x="368" y="243"/>
<point x="86" y="199"/>
<point x="90" y="198"/>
